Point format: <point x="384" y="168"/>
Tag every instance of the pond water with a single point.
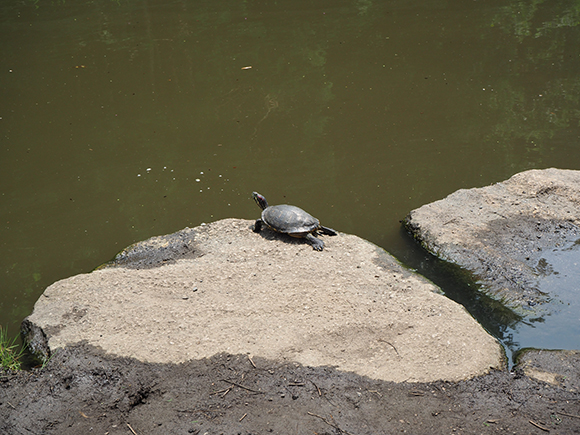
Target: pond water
<point x="122" y="120"/>
<point x="558" y="275"/>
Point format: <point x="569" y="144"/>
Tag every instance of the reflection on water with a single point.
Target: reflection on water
<point x="559" y="276"/>
<point x="124" y="120"/>
<point x="271" y="103"/>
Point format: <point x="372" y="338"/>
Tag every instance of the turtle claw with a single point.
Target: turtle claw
<point x="317" y="244"/>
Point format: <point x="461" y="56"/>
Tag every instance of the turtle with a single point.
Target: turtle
<point x="291" y="220"/>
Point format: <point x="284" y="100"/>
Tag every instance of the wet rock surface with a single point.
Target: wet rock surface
<point x="501" y="233"/>
<point x="83" y="390"/>
<point x="221" y="288"/>
<point x="557" y="367"/>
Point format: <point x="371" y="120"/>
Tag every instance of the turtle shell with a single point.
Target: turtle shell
<point x="289" y="219"/>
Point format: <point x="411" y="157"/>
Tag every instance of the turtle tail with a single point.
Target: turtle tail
<point x="327" y="231"/>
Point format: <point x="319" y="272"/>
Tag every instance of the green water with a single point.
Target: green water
<point x="121" y="120"/>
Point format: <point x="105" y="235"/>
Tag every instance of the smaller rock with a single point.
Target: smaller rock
<point x="501" y="233"/>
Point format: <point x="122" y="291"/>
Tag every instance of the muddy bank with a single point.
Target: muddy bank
<point x="223" y="288"/>
<point x="502" y="233"/>
<point x="83" y="390"/>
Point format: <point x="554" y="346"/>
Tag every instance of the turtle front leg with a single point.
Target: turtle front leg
<point x="257" y="226"/>
<point x="317" y="244"/>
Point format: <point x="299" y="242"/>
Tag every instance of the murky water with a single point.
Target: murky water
<point x="121" y="120"/>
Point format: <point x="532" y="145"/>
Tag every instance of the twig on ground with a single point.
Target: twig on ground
<point x="392" y="345"/>
<point x="568" y="415"/>
<point x="242" y="387"/>
<point x="539" y="426"/>
<point x="317" y="389"/>
<point x="329" y="423"/>
<point x="129" y="426"/>
<point x="243" y="416"/>
<point x="222" y="392"/>
<point x="251" y="361"/>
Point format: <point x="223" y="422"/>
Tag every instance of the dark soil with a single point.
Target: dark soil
<point x="82" y="391"/>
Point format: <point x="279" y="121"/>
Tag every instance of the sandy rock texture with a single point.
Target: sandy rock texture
<point x="220" y="288"/>
<point x="500" y="233"/>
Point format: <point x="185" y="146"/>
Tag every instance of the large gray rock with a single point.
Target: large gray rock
<point x="222" y="288"/>
<point x="503" y="233"/>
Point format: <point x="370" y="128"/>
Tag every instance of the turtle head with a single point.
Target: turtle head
<point x="260" y="200"/>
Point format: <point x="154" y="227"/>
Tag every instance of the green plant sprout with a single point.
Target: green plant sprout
<point x="10" y="353"/>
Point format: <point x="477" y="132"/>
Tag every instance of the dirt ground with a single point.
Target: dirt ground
<point x="82" y="391"/>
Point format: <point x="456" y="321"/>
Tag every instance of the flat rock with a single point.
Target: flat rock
<point x="506" y="234"/>
<point x="220" y="288"/>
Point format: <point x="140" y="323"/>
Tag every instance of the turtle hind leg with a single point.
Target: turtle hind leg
<point x="317" y="244"/>
<point x="257" y="226"/>
<point x="327" y="231"/>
